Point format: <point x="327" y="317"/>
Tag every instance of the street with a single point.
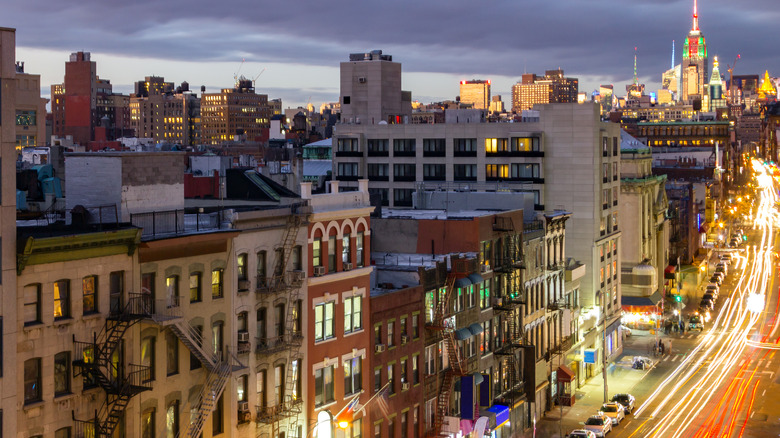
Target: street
<point x="719" y="382"/>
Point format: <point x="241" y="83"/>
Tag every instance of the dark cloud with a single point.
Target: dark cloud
<point x="588" y="38"/>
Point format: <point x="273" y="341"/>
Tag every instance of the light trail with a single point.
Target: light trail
<point x="719" y="363"/>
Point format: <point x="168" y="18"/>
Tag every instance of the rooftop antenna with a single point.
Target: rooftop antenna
<point x="672" y="54"/>
<point x="235" y="75"/>
<point x="636" y="79"/>
<point x="695" y="16"/>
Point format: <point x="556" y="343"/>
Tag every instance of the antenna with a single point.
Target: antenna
<point x="672" y="54"/>
<point x="695" y="16"/>
<point x="636" y="79"/>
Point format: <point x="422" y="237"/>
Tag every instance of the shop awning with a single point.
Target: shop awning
<point x="461" y="334"/>
<point x="565" y="374"/>
<point x="476" y="278"/>
<point x="502" y="414"/>
<point x="669" y="272"/>
<point x="641" y="304"/>
<point x="462" y="282"/>
<point x="476" y="329"/>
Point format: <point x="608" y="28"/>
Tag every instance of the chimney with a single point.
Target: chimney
<point x="305" y="190"/>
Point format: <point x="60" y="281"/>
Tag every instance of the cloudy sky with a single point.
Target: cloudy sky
<point x="298" y="45"/>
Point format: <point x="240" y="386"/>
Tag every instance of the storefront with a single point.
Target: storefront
<point x="642" y="313"/>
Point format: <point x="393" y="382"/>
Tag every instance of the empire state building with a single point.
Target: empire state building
<point x="694" y="64"/>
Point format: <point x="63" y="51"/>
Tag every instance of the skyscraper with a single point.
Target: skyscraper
<point x="475" y="92"/>
<point x="552" y="88"/>
<point x="694" y="64"/>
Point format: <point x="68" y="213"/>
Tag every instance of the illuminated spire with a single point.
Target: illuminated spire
<point x="672" y="53"/>
<point x="636" y="79"/>
<point x="695" y="16"/>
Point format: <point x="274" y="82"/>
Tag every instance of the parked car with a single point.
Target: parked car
<point x="706" y="305"/>
<point x="599" y="424"/>
<point x="627" y="400"/>
<point x="710" y="297"/>
<point x="722" y="265"/>
<point x="721" y="269"/>
<point x="726" y="257"/>
<point x="716" y="279"/>
<point x="581" y="433"/>
<point x="615" y="411"/>
<point x="720" y="275"/>
<point x="713" y="287"/>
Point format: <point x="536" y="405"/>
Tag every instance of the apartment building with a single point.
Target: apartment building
<point x="337" y="307"/>
<point x="164" y="114"/>
<point x="237" y="112"/>
<point x="30" y="110"/>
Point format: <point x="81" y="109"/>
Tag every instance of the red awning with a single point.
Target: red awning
<point x="670" y="269"/>
<point x="565" y="374"/>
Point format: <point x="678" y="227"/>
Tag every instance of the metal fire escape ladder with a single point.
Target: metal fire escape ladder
<point x="209" y="396"/>
<point x="93" y="361"/>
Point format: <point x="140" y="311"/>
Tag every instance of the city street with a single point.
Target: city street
<point x="719" y="382"/>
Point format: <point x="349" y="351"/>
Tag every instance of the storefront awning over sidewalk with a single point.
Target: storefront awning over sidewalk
<point x="669" y="272"/>
<point x="641" y="304"/>
<point x="565" y="374"/>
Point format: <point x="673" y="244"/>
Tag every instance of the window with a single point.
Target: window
<point x="466" y="172"/>
<point x="262" y="334"/>
<point x="404" y="147"/>
<point x="346" y="256"/>
<point x="404" y="172"/>
<point x="324" y="323"/>
<point x="434" y="172"/>
<point x="278" y="385"/>
<point x="62" y="373"/>
<point x="496" y="171"/>
<point x="378" y="146"/>
<point x="415" y="326"/>
<point x="217" y="334"/>
<point x="347" y="145"/>
<point x="403" y="327"/>
<point x="297" y="380"/>
<point x="332" y="254"/>
<point x="61" y="299"/>
<point x="355" y="429"/>
<point x="261" y="394"/>
<point x="391" y="377"/>
<point x="261" y="268"/>
<point x="323" y="386"/>
<point x="298" y="316"/>
<point x="32" y="304"/>
<point x="390" y="334"/>
<point x="25" y="118"/>
<point x="348" y="169"/>
<point x="116" y="286"/>
<point x="353" y="314"/>
<point x="525" y="171"/>
<point x="391" y="427"/>
<point x="316" y="252"/>
<point x="359" y="250"/>
<point x="172" y="420"/>
<point x="404" y="422"/>
<point x="465" y="146"/>
<point x="434" y="147"/>
<point x="296" y="258"/>
<point x="148" y="290"/>
<point x="172" y="291"/>
<point x="147" y="355"/>
<point x="217" y="283"/>
<point x="416" y="369"/>
<point x="377" y="379"/>
<point x="495" y="145"/>
<point x="402" y="197"/>
<point x="402" y="371"/>
<point x="472" y="297"/>
<point x="171" y="353"/>
<point x="32" y="380"/>
<point x="147" y="424"/>
<point x="352" y="375"/>
<point x="88" y="288"/>
<point x="62" y="433"/>
<point x="378" y="429"/>
<point x="525" y="144"/>
<point x="241" y="263"/>
<point x="378" y="171"/>
<point x="195" y="294"/>
<point x="378" y="334"/>
<point x="430" y="364"/>
<point x="194" y="361"/>
<point x="217" y="425"/>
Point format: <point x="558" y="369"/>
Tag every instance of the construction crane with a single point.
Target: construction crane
<point x="730" y="67"/>
<point x="235" y="75"/>
<point x="255" y="78"/>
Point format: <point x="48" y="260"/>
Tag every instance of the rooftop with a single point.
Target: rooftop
<point x="399" y="213"/>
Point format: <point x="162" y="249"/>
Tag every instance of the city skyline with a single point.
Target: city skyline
<point x="299" y="51"/>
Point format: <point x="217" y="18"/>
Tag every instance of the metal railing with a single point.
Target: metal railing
<point x="174" y="222"/>
<point x="278" y="343"/>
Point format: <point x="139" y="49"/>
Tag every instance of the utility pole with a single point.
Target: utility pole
<point x="604" y="348"/>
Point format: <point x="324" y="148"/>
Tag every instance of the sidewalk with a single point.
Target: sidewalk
<point x="621" y="377"/>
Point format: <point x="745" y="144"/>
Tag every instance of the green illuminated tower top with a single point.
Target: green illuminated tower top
<point x="695" y="64"/>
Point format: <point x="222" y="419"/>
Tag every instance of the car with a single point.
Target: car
<point x="615" y="411"/>
<point x="726" y="257"/>
<point x="599" y="424"/>
<point x="713" y="286"/>
<point x="696" y="322"/>
<point x="710" y="297"/>
<point x="641" y="363"/>
<point x="716" y="279"/>
<point x="581" y="433"/>
<point x="722" y="265"/>
<point x="627" y="400"/>
<point x="706" y="305"/>
<point x="720" y="275"/>
<point x="721" y="269"/>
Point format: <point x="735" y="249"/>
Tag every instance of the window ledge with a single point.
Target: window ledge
<point x="325" y="405"/>
<point x="33" y="326"/>
<point x="66" y="320"/>
<point x="33" y="405"/>
<point x="325" y="341"/>
<point x="64" y="397"/>
<point x="353" y="332"/>
<point x="351" y="396"/>
<point x="91" y="315"/>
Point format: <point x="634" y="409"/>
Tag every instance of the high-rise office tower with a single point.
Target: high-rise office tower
<point x="694" y="63"/>
<point x="475" y="92"/>
<point x="552" y="88"/>
<point x="371" y="89"/>
<point x="717" y="99"/>
<point x="232" y="113"/>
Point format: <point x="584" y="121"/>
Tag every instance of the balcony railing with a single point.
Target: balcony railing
<point x="290" y="280"/>
<point x="278" y="343"/>
<point x="174" y="222"/>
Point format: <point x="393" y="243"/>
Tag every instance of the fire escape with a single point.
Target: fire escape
<point x="445" y="331"/>
<point x="507" y="264"/>
<point x="100" y="362"/>
<point x="284" y="289"/>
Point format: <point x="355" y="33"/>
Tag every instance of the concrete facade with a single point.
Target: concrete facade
<point x="371" y="90"/>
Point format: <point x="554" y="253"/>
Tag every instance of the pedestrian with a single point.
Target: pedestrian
<point x="661" y="346"/>
<point x="682" y="327"/>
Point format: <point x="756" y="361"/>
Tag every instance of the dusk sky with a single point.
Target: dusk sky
<point x="438" y="42"/>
